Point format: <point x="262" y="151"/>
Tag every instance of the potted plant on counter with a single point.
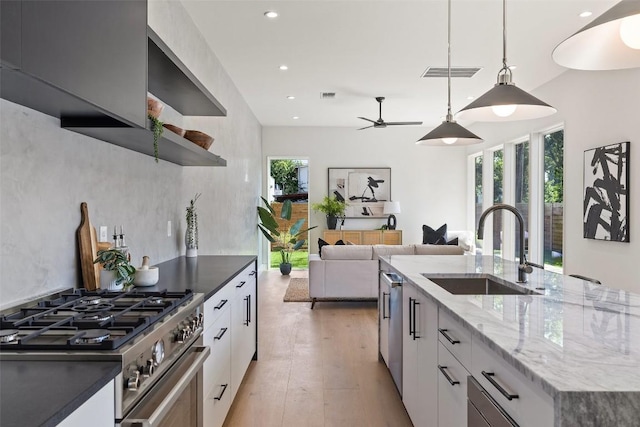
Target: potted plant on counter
<point x="286" y="239"/>
<point x="332" y="208"/>
<point x="117" y="273"/>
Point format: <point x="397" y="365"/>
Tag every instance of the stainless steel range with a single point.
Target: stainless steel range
<point x="154" y="335"/>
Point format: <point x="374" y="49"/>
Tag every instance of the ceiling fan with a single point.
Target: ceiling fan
<point x="381" y="123"/>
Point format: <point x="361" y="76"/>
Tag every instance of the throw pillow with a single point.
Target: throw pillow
<point x="453" y="242"/>
<point x="434" y="237"/>
<point x="321" y="243"/>
<point x="340" y="242"/>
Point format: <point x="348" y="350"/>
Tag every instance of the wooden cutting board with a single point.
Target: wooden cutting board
<point x="88" y="245"/>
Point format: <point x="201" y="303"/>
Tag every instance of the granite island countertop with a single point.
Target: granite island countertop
<point x="580" y="342"/>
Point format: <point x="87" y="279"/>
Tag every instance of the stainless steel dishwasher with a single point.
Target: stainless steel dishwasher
<point x="483" y="410"/>
<point x="395" y="326"/>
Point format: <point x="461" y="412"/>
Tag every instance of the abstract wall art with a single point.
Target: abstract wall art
<point x="364" y="189"/>
<point x="606" y="193"/>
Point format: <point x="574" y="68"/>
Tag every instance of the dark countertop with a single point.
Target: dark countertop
<point x="203" y="274"/>
<point x="43" y="393"/>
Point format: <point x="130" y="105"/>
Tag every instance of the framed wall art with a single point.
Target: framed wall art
<point x="364" y="189"/>
<point x="606" y="193"/>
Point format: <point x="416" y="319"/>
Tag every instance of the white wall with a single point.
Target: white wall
<point x="427" y="181"/>
<point x="597" y="108"/>
<point x="46" y="172"/>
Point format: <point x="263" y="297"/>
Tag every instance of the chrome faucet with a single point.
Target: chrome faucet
<point x="523" y="267"/>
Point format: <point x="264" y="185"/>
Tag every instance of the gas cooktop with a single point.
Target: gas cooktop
<point x="78" y="319"/>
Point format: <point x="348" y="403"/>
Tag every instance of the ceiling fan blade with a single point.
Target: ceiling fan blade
<point x="369" y="120"/>
<point x="366" y="127"/>
<point x="402" y="123"/>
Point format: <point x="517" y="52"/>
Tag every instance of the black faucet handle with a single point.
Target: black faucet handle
<point x="526" y="268"/>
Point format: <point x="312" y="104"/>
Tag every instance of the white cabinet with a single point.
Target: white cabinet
<point x="384" y="311"/>
<point x="230" y="332"/>
<point x="243" y="329"/>
<point x="452" y="389"/>
<point x="419" y="357"/>
<point x="98" y="411"/>
<point x="524" y="401"/>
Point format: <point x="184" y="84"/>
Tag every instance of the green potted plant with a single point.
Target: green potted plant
<point x="332" y="208"/>
<point x="120" y="271"/>
<point x="287" y="239"/>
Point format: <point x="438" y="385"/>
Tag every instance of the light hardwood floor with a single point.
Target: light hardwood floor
<point x="315" y="367"/>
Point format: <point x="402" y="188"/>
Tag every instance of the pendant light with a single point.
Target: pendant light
<point x="449" y="132"/>
<point x="505" y="101"/>
<point x="610" y="42"/>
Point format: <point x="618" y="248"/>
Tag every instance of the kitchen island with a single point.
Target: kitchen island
<point x="575" y="341"/>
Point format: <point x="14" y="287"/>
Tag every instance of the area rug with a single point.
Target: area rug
<point x="298" y="290"/>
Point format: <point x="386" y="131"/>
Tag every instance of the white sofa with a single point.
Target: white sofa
<point x="351" y="271"/>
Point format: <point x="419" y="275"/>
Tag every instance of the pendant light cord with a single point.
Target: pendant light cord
<point x="449" y="115"/>
<point x="505" y="74"/>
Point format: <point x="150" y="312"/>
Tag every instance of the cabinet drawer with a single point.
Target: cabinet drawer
<point x="217" y="400"/>
<point x="244" y="280"/>
<point x="455" y="337"/>
<point x="452" y="389"/>
<point x="218" y="338"/>
<point x="531" y="407"/>
<point x="217" y="304"/>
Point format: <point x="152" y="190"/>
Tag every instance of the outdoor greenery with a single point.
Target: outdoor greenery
<point x="330" y="206"/>
<point x="288" y="239"/>
<point x="553" y="167"/>
<point x="298" y="259"/>
<point x="285" y="174"/>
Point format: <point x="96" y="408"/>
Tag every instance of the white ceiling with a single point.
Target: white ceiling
<point x="363" y="49"/>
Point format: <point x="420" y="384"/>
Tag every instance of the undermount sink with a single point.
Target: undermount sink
<point x="479" y="285"/>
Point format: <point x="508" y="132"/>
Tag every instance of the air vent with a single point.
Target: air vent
<point x="327" y="95"/>
<point x="466" y="72"/>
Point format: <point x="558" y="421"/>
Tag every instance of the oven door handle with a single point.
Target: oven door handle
<point x="165" y="406"/>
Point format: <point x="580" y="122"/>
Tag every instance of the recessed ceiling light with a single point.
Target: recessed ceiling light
<point x="271" y="14"/>
<point x="295" y="117"/>
<point x="470" y="98"/>
<point x="585" y="14"/>
<point x="284" y="67"/>
<point x="291" y="97"/>
<point x="513" y="67"/>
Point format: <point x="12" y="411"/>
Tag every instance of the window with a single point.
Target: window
<point x="553" y="199"/>
<point x="521" y="187"/>
<point x="526" y="173"/>
<point x="498" y="197"/>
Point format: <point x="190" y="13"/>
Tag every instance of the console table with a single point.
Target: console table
<point x="364" y="237"/>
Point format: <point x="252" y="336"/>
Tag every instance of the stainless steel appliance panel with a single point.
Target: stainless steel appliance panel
<point x="483" y="410"/>
<point x="395" y="327"/>
<point x="176" y="401"/>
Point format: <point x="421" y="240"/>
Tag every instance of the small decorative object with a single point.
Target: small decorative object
<point x="286" y="239"/>
<point x="606" y="193"/>
<point x="333" y="207"/>
<point x="146" y="275"/>
<point x="391" y="208"/>
<point x="117" y="272"/>
<point x="175" y="129"/>
<point x="191" y="235"/>
<point x="201" y="139"/>
<point x="154" y="107"/>
<point x="365" y="189"/>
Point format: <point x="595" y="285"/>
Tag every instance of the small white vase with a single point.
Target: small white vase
<point x="108" y="281"/>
